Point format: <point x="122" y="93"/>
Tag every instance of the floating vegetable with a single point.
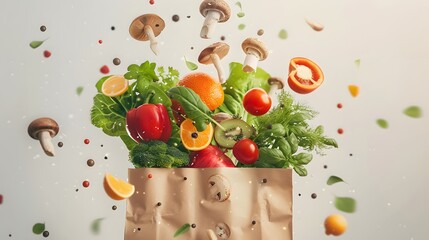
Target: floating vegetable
<point x="117" y="189"/>
<point x="354" y="90"/>
<point x="114" y="86"/>
<point x="335" y="224"/>
<point x="36" y="44"/>
<point x="212" y="55"/>
<point x="147" y="27"/>
<point x="44" y="129"/>
<point x="255" y="51"/>
<point x="214" y="11"/>
<point x="305" y="76"/>
<point x="315" y="26"/>
<point x="413" y="111"/>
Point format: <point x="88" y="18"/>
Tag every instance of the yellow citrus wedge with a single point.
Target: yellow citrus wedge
<point x="192" y="139"/>
<point x="354" y="90"/>
<point x="114" y="86"/>
<point x="116" y="188"/>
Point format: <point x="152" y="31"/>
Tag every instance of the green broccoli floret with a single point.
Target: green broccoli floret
<point x="157" y="154"/>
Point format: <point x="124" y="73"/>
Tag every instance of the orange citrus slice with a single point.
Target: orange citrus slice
<point x="354" y="90"/>
<point x="114" y="86"/>
<point x="192" y="139"/>
<point x="116" y="188"/>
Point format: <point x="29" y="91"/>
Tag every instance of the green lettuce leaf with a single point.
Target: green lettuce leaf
<point x="240" y="82"/>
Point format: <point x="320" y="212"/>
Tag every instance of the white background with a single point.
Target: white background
<point x="386" y="174"/>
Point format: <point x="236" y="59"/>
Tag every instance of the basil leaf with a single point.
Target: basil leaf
<point x="293" y="141"/>
<point x="345" y="204"/>
<point x="277" y="130"/>
<point x="284" y="146"/>
<point x="300" y="170"/>
<point x="152" y="94"/>
<point x="382" y="123"/>
<point x="96" y="225"/>
<point x="133" y="67"/>
<point x="194" y="108"/>
<point x="319" y="130"/>
<point x="107" y="114"/>
<point x="182" y="229"/>
<point x="330" y="142"/>
<point x="334" y="179"/>
<point x="79" y="90"/>
<point x="413" y="111"/>
<point x="270" y="158"/>
<point x="38" y="228"/>
<point x="36" y="44"/>
<point x="303" y="158"/>
<point x="231" y="105"/>
<point x="191" y="66"/>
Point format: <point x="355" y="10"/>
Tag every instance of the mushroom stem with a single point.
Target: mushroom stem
<point x="153" y="42"/>
<point x="212" y="18"/>
<point x="45" y="141"/>
<point x="273" y="89"/>
<point x="216" y="62"/>
<point x="211" y="234"/>
<point x="251" y="61"/>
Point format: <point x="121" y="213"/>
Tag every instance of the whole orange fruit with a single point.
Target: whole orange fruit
<point x="335" y="224"/>
<point x="209" y="90"/>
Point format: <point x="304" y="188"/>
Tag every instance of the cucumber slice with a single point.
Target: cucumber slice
<point x="235" y="129"/>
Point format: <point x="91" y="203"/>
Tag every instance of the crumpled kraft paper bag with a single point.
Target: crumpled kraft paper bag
<point x="218" y="203"/>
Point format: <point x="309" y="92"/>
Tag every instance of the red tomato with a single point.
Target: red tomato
<point x="257" y="102"/>
<point x="246" y="151"/>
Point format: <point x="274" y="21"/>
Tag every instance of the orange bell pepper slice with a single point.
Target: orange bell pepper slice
<point x="304" y="75"/>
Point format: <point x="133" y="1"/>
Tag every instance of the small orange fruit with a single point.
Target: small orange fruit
<point x="335" y="224"/>
<point x="209" y="90"/>
<point x="354" y="90"/>
<point x="192" y="139"/>
<point x="116" y="188"/>
<point x="114" y="86"/>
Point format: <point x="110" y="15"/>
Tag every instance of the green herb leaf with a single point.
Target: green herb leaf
<point x="193" y="106"/>
<point x="183" y="229"/>
<point x="128" y="141"/>
<point x="191" y="66"/>
<point x="283" y="34"/>
<point x="239" y="5"/>
<point x="36" y="44"/>
<point x="345" y="204"/>
<point x="293" y="142"/>
<point x="413" y="111"/>
<point x="231" y="105"/>
<point x="96" y="225"/>
<point x="357" y="62"/>
<point x="38" y="228"/>
<point x="270" y="158"/>
<point x="108" y="114"/>
<point x="303" y="158"/>
<point x="241" y="14"/>
<point x="79" y="90"/>
<point x="300" y="170"/>
<point x="239" y="82"/>
<point x="334" y="179"/>
<point x="382" y="123"/>
<point x="241" y="26"/>
<point x="100" y="83"/>
<point x="284" y="146"/>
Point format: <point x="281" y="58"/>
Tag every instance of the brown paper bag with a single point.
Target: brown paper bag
<point x="217" y="203"/>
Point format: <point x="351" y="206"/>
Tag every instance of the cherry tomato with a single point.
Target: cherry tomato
<point x="246" y="151"/>
<point x="257" y="102"/>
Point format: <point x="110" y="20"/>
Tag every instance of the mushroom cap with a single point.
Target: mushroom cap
<point x="255" y="45"/>
<point x="276" y="81"/>
<point x="217" y="5"/>
<point x="219" y="48"/>
<point x="138" y="24"/>
<point x="43" y="124"/>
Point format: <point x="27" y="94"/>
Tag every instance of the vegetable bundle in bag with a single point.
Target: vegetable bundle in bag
<point x="210" y="203"/>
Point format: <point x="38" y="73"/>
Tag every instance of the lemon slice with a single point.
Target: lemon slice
<point x="114" y="86"/>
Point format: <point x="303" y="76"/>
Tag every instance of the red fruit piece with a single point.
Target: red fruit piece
<point x="1" y="199"/>
<point x="104" y="69"/>
<point x="85" y="184"/>
<point x="178" y="112"/>
<point x="210" y="157"/>
<point x="131" y="123"/>
<point x="46" y="53"/>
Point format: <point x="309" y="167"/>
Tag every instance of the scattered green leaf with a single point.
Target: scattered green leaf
<point x="182" y="229"/>
<point x="191" y="66"/>
<point x="241" y="14"/>
<point x="79" y="90"/>
<point x="334" y="179"/>
<point x="239" y="5"/>
<point x="96" y="225"/>
<point x="283" y="34"/>
<point x="357" y="62"/>
<point x="241" y="26"/>
<point x="38" y="228"/>
<point x="382" y="123"/>
<point x="413" y="111"/>
<point x="345" y="204"/>
<point x="36" y="44"/>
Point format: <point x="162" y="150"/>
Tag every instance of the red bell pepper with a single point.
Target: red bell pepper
<point x="149" y="122"/>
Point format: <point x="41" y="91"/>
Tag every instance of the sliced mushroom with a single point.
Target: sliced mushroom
<point x="219" y="188"/>
<point x="275" y="84"/>
<point x="222" y="231"/>
<point x="315" y="26"/>
<point x="44" y="129"/>
<point x="147" y="27"/>
<point x="255" y="51"/>
<point x="213" y="54"/>
<point x="211" y="235"/>
<point x="214" y="11"/>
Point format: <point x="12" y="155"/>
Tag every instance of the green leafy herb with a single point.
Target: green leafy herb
<point x="239" y="5"/>
<point x="357" y="62"/>
<point x="96" y="225"/>
<point x="183" y="229"/>
<point x="191" y="66"/>
<point x="108" y="114"/>
<point x="283" y="34"/>
<point x="36" y="44"/>
<point x="241" y="14"/>
<point x="240" y="82"/>
<point x="413" y="111"/>
<point x="79" y="90"/>
<point x="241" y="26"/>
<point x="345" y="204"/>
<point x="193" y="106"/>
<point x="382" y="123"/>
<point x="38" y="228"/>
<point x="334" y="179"/>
